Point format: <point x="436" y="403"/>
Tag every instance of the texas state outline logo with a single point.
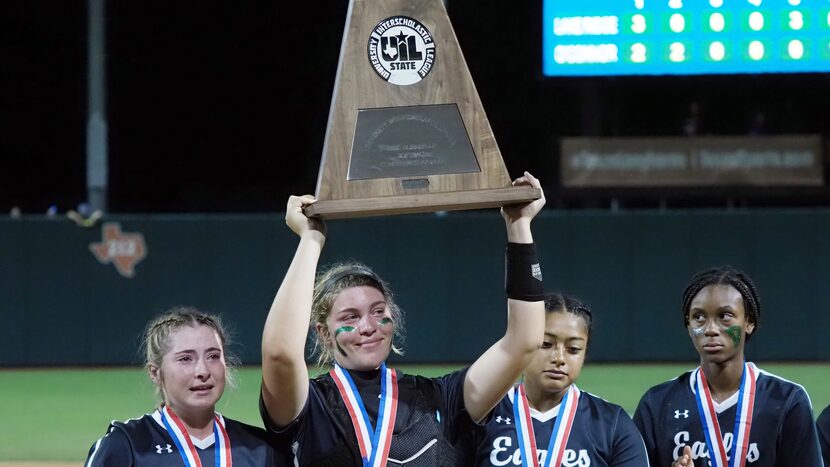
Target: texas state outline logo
<point x="123" y="249"/>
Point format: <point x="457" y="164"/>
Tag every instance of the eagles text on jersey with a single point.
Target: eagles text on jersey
<point x="782" y="433"/>
<point x="602" y="435"/>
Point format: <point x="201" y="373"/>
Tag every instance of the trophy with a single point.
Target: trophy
<point x="406" y="131"/>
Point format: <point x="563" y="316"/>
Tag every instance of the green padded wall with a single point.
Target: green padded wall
<point x="60" y="306"/>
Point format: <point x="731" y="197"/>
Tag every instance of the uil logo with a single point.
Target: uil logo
<point x="401" y="50"/>
<point x="124" y="250"/>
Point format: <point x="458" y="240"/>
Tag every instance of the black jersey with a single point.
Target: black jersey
<point x="823" y="425"/>
<point x="144" y="442"/>
<point x="602" y="435"/>
<point x="431" y="418"/>
<point x="782" y="435"/>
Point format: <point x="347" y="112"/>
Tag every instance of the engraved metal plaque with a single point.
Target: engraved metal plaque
<point x="397" y="142"/>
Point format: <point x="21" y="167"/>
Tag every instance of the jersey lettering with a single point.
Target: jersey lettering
<point x="501" y="456"/>
<point x="700" y="451"/>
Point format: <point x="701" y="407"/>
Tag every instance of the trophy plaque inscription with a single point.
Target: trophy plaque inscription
<point x="406" y="131"/>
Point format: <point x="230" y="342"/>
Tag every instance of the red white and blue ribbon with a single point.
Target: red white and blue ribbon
<point x="181" y="438"/>
<point x="743" y="419"/>
<point x="559" y="436"/>
<point x="374" y="442"/>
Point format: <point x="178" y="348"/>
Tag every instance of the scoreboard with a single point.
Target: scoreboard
<point x="685" y="37"/>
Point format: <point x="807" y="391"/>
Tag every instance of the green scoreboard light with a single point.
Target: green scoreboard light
<point x="685" y="37"/>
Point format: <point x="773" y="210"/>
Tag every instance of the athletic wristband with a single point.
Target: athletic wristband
<point x="522" y="274"/>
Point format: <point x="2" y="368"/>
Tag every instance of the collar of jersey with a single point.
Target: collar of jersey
<point x="199" y="443"/>
<point x="541" y="416"/>
<point x="729" y="401"/>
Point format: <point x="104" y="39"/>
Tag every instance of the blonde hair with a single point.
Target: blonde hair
<point x="334" y="280"/>
<point x="156" y="342"/>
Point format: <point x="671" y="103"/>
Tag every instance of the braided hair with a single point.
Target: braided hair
<point x="559" y="302"/>
<point x="725" y="275"/>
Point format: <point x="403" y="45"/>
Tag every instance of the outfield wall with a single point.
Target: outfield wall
<point x="61" y="306"/>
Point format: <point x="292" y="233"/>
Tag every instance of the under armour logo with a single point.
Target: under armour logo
<point x="160" y="449"/>
<point x="678" y="414"/>
<point x="500" y="419"/>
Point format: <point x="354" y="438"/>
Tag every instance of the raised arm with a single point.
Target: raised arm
<point x="492" y="375"/>
<point x="284" y="372"/>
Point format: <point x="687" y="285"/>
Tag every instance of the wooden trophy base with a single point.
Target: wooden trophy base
<point x="427" y="202"/>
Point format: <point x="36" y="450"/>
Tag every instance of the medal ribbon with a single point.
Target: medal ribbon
<point x="373" y="442"/>
<point x="181" y="438"/>
<point x="743" y="419"/>
<point x="561" y="429"/>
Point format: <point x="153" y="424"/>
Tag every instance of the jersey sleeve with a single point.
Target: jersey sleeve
<point x="823" y="428"/>
<point x="628" y="447"/>
<point x="644" y="421"/>
<point x="293" y="438"/>
<point x="455" y="416"/>
<point x="799" y="441"/>
<point x="284" y="435"/>
<point x="113" y="450"/>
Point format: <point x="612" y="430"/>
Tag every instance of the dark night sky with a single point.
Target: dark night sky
<point x="198" y="92"/>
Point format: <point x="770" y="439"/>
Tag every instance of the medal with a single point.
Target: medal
<point x="561" y="429"/>
<point x="743" y="419"/>
<point x="373" y="442"/>
<point x="181" y="438"/>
